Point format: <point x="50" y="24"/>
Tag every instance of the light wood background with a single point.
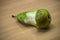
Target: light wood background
<point x="11" y="29"/>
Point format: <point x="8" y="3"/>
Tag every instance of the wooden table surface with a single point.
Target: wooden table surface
<point x="11" y="29"/>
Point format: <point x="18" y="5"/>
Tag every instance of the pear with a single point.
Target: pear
<point x="39" y="18"/>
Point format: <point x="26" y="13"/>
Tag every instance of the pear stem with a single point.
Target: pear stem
<point x="13" y="16"/>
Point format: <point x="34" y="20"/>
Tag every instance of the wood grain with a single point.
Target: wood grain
<point x="11" y="29"/>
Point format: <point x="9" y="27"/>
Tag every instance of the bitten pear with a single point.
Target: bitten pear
<point x="39" y="18"/>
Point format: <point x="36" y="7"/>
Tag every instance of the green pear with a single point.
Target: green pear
<point x="39" y="18"/>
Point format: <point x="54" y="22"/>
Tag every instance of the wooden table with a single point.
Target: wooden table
<point x="11" y="29"/>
